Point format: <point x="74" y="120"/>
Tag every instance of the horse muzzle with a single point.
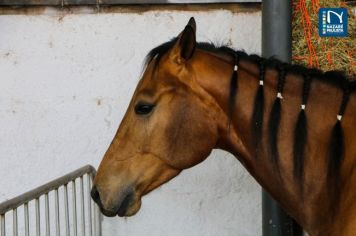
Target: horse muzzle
<point x="127" y="203"/>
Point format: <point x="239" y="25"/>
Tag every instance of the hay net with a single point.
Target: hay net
<point x="325" y="53"/>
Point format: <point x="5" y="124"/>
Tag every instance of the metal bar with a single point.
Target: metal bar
<point x="97" y="213"/>
<point x="61" y="3"/>
<point x="27" y="226"/>
<point x="38" y="219"/>
<point x="15" y="225"/>
<point x="36" y="193"/>
<point x="113" y="2"/>
<point x="48" y="231"/>
<point x="66" y="209"/>
<point x="97" y="221"/>
<point x="97" y="216"/>
<point x="29" y="3"/>
<point x="89" y="205"/>
<point x="81" y="183"/>
<point x="56" y="202"/>
<point x="3" y="229"/>
<point x="276" y="41"/>
<point x="277" y="33"/>
<point x="74" y="208"/>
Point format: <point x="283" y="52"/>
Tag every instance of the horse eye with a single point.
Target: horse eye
<point x="143" y="108"/>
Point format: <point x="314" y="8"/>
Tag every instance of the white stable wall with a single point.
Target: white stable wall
<point x="65" y="82"/>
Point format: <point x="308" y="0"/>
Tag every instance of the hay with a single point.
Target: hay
<point x="325" y="53"/>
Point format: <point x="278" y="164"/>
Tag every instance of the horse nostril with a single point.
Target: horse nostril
<point x="95" y="195"/>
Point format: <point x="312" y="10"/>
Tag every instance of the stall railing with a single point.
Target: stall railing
<point x="55" y="212"/>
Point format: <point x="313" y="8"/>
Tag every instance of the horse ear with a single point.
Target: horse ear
<point x="186" y="42"/>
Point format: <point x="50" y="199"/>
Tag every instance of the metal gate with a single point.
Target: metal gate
<point x="54" y="208"/>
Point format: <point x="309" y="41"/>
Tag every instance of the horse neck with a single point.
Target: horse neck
<point x="214" y="75"/>
<point x="236" y="137"/>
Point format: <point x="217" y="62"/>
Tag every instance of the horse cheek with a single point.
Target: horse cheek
<point x="190" y="136"/>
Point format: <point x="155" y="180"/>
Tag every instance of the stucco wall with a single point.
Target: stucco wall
<point x="65" y="83"/>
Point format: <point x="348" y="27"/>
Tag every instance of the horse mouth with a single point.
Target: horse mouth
<point x="125" y="205"/>
<point x="129" y="207"/>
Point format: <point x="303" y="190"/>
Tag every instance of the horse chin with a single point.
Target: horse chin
<point x="131" y="210"/>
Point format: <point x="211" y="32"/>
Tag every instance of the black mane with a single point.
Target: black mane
<point x="335" y="77"/>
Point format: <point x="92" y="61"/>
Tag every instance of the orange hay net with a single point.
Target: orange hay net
<point x="326" y="53"/>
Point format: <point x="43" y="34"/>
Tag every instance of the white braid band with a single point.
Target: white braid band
<point x="339" y="117"/>
<point x="235" y="68"/>
<point x="279" y="95"/>
<point x="261" y="82"/>
<point x="302" y="106"/>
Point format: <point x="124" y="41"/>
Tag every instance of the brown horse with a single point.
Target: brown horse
<point x="293" y="128"/>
